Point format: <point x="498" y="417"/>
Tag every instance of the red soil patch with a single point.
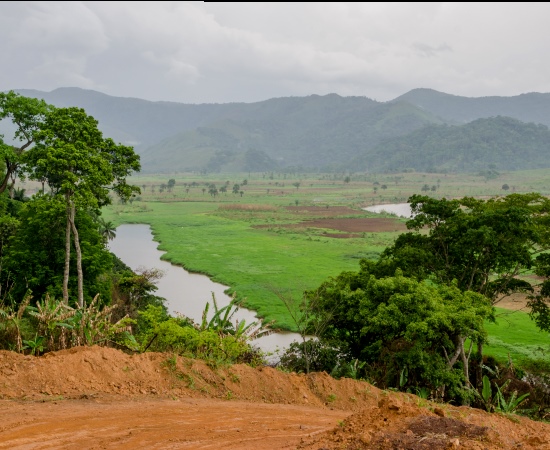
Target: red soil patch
<point x="101" y="398"/>
<point x="349" y="225"/>
<point x="331" y="211"/>
<point x="330" y="219"/>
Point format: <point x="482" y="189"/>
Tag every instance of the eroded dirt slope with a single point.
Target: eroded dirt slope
<point x="102" y="398"/>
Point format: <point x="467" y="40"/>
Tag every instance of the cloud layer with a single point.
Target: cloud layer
<point x="216" y="53"/>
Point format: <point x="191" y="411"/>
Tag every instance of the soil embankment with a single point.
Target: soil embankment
<point x="100" y="398"/>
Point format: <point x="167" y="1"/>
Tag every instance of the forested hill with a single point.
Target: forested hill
<point x="315" y="132"/>
<point x="327" y="132"/>
<point x="501" y="143"/>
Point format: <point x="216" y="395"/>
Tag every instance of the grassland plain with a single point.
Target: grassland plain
<point x="267" y="238"/>
<point x="514" y="337"/>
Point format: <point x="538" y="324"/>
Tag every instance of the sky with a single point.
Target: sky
<point x="193" y="52"/>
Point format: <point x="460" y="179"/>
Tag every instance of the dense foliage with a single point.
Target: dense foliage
<point x="414" y="318"/>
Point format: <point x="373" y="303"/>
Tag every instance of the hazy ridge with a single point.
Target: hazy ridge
<point x="422" y="130"/>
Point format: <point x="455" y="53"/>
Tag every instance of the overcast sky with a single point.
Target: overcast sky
<point x="244" y="52"/>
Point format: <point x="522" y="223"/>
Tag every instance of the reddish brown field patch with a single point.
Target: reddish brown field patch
<point x="331" y="211"/>
<point x="348" y="225"/>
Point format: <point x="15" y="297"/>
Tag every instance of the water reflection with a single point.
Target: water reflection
<point x="185" y="292"/>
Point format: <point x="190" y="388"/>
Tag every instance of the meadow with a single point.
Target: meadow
<point x="278" y="234"/>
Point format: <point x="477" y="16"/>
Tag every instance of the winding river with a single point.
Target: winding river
<point x="186" y="293"/>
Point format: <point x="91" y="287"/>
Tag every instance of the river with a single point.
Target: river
<point x="186" y="293"/>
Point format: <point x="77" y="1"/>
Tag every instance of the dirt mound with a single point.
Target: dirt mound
<point x="91" y="372"/>
<point x="102" y="398"/>
<point x="402" y="421"/>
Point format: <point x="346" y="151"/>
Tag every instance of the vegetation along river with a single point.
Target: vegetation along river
<point x="186" y="293"/>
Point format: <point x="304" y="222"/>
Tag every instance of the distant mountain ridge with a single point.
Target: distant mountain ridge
<point x="532" y="107"/>
<point x="320" y="133"/>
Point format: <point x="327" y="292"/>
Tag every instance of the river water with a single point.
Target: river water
<point x="186" y="293"/>
<point x="399" y="209"/>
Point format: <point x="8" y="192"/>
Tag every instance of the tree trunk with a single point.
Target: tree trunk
<point x="464" y="361"/>
<point x="479" y="367"/>
<point x="67" y="252"/>
<point x="78" y="259"/>
<point x="465" y="367"/>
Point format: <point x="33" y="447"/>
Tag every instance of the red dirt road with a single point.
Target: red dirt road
<point x="160" y="424"/>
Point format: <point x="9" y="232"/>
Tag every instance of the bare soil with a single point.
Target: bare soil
<point x="101" y="398"/>
<point x="330" y="219"/>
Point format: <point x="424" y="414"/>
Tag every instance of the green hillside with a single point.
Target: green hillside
<point x="315" y="133"/>
<point x="500" y="143"/>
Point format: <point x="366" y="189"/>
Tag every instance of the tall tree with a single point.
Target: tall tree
<point x="82" y="167"/>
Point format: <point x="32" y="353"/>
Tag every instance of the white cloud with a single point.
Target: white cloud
<point x="216" y="52"/>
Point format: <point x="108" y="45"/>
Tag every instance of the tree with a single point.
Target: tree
<point x="82" y="167"/>
<point x="171" y="184"/>
<point x="482" y="245"/>
<point x="106" y="229"/>
<point x="505" y="187"/>
<point x="310" y="325"/>
<point x="26" y="115"/>
<point x="35" y="255"/>
<point x="399" y="325"/>
<point x="236" y="188"/>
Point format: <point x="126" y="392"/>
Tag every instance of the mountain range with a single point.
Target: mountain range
<point x="422" y="130"/>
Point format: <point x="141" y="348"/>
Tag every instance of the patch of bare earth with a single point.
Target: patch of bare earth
<point x="101" y="398"/>
<point x="329" y="219"/>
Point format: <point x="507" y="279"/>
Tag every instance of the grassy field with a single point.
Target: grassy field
<point x="262" y="241"/>
<point x="514" y="336"/>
